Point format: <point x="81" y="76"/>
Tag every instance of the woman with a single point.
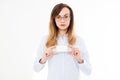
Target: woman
<point x="62" y="65"/>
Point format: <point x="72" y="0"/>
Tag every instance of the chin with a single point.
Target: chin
<point x="63" y="28"/>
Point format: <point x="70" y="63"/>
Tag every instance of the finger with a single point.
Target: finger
<point x="52" y="47"/>
<point x="54" y="52"/>
<point x="69" y="52"/>
<point x="76" y="49"/>
<point x="74" y="53"/>
<point x="70" y="46"/>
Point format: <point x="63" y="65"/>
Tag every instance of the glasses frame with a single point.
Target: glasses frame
<point x="65" y="18"/>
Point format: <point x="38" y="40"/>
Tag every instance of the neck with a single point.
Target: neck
<point x="62" y="32"/>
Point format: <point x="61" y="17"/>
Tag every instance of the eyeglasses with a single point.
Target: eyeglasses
<point x="65" y="18"/>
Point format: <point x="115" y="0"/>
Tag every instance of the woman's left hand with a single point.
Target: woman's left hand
<point x="75" y="52"/>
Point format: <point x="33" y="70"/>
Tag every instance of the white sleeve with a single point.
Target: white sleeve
<point x="40" y="51"/>
<point x="86" y="66"/>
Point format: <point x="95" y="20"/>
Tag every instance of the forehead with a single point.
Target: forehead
<point x="64" y="11"/>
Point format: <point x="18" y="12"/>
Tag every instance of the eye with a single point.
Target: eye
<point x="66" y="16"/>
<point x="58" y="17"/>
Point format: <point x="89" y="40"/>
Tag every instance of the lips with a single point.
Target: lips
<point x="62" y="25"/>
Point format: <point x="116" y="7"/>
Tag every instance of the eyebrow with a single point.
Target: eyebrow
<point x="64" y="14"/>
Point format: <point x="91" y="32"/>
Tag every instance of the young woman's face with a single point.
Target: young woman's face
<point x="63" y="19"/>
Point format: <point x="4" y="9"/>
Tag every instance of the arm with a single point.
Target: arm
<point x="85" y="66"/>
<point x="36" y="64"/>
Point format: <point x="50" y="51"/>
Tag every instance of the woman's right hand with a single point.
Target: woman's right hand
<point x="47" y="54"/>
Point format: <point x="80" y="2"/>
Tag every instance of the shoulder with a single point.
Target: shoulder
<point x="80" y="43"/>
<point x="43" y="38"/>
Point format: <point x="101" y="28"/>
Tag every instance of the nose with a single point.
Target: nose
<point x="62" y="20"/>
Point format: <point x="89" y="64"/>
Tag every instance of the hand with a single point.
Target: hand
<point x="75" y="52"/>
<point x="47" y="54"/>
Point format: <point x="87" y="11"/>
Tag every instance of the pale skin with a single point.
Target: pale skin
<point x="63" y="26"/>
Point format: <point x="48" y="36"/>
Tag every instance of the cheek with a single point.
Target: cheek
<point x="68" y="23"/>
<point x="57" y="23"/>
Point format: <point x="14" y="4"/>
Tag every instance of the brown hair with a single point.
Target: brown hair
<point x="53" y="29"/>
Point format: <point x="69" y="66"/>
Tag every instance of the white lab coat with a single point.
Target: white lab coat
<point x="63" y="66"/>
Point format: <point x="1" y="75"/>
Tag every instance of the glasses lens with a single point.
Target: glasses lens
<point x="65" y="18"/>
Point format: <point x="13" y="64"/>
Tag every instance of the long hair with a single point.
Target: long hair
<point x="53" y="29"/>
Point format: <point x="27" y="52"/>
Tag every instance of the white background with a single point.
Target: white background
<point x="23" y="22"/>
